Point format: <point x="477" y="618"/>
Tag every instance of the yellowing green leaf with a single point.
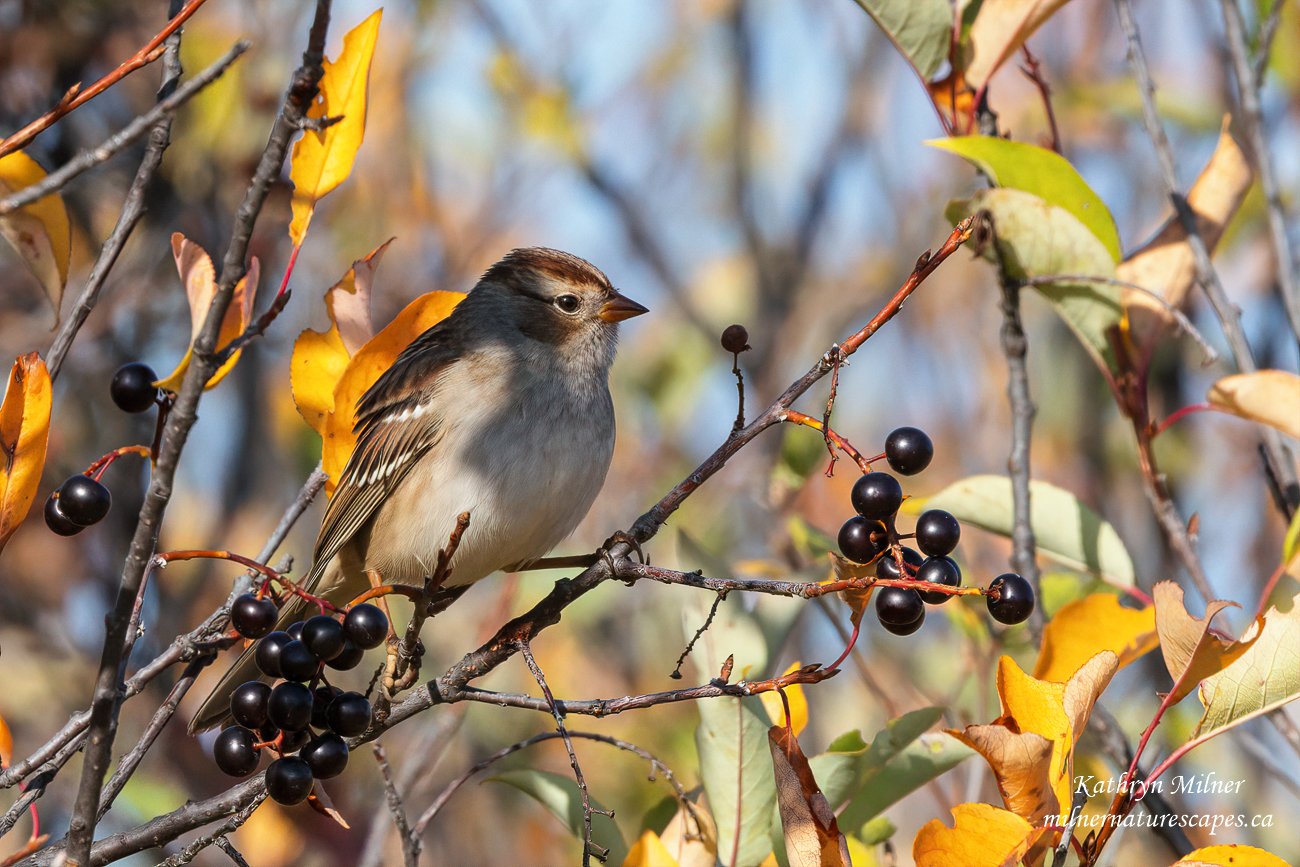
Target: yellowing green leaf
<point x="199" y="278"/>
<point x="1270" y="397"/>
<point x="40" y="231"/>
<point x="812" y="836"/>
<point x="1265" y="677"/>
<point x="1021" y="166"/>
<point x="795" y="697"/>
<point x="982" y="836"/>
<point x="1066" y="530"/>
<point x="1000" y="28"/>
<point x="1082" y="629"/>
<point x="1191" y="651"/>
<point x="649" y="851"/>
<point x="1230" y="856"/>
<point x="322" y="159"/>
<point x="24" y="434"/>
<point x="736" y="770"/>
<point x="921" y="30"/>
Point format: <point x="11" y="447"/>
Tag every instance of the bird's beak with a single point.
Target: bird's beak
<point x="620" y="307"/>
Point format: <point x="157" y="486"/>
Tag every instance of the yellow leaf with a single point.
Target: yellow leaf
<point x="24" y="433"/>
<point x="797" y="700"/>
<point x="1265" y="677"/>
<point x="322" y="159"/>
<point x="199" y="278"/>
<point x="320" y="357"/>
<point x="39" y="231"/>
<point x="649" y="851"/>
<point x="1230" y="856"/>
<point x="1000" y="28"/>
<point x="1271" y="397"/>
<point x="1192" y="653"/>
<point x="812" y="836"/>
<point x="367" y="366"/>
<point x="982" y="836"/>
<point x="1090" y="625"/>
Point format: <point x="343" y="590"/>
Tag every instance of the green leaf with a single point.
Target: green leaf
<point x="876" y="831"/>
<point x="1263" y="678"/>
<point x="1021" y="166"/>
<point x="560" y="795"/>
<point x="1065" y="529"/>
<point x="736" y="770"/>
<point x="921" y="30"/>
<point x="1039" y="239"/>
<point x="898" y="763"/>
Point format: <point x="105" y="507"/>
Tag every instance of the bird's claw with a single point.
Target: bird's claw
<point x="626" y="539"/>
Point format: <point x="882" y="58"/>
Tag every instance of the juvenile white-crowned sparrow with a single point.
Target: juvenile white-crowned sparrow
<point x="501" y="410"/>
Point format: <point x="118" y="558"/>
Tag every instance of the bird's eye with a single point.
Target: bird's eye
<point x="568" y="303"/>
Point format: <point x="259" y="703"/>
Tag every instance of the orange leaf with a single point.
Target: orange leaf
<point x="24" y="434"/>
<point x="40" y="231"/>
<point x="812" y="836"/>
<point x="1087" y="626"/>
<point x="322" y="159"/>
<point x="199" y="278"/>
<point x="1192" y="653"/>
<point x="982" y="836"/>
<point x="6" y="744"/>
<point x="796" y="698"/>
<point x="649" y="851"/>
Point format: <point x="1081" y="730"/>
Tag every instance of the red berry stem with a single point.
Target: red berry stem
<point x="96" y="470"/>
<point x="793" y="416"/>
<point x="1178" y="415"/>
<point x="267" y="572"/>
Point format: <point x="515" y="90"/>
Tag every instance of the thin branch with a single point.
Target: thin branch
<point x="1033" y="70"/>
<point x="191" y="851"/>
<point x="704" y="627"/>
<point x="223" y="843"/>
<point x="410" y="841"/>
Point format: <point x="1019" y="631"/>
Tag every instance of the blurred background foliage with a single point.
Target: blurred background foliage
<point x="757" y="162"/>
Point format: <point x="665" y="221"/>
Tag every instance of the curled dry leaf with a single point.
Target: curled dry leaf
<point x="982" y="836"/>
<point x="24" y="434"/>
<point x="812" y="836"/>
<point x="1000" y="28"/>
<point x="40" y="231"/>
<point x="843" y="569"/>
<point x="1090" y="625"/>
<point x="1230" y="856"/>
<point x="200" y="281"/>
<point x="322" y="159"/>
<point x="1270" y="397"/>
<point x="1191" y="651"/>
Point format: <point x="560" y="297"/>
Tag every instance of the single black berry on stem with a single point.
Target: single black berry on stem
<point x="939" y="570"/>
<point x="253" y="617"/>
<point x="908" y="450"/>
<point x="349" y="658"/>
<point x="59" y="522"/>
<point x="323" y="636"/>
<point x="267" y="654"/>
<point x="132" y="388"/>
<point x="887" y="566"/>
<point x="234" y="751"/>
<point x="248" y="704"/>
<point x="288" y="780"/>
<point x="326" y="755"/>
<point x="899" y="609"/>
<point x="735" y="339"/>
<point x="349" y="714"/>
<point x="1010" y="598"/>
<point x="877" y="495"/>
<point x="366" y="625"/>
<point x="937" y="532"/>
<point x="83" y="500"/>
<point x="297" y="662"/>
<point x="289" y="707"/>
<point x="861" y="540"/>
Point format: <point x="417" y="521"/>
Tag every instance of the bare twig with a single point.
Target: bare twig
<point x="1033" y="70"/>
<point x="223" y="843"/>
<point x="704" y="627"/>
<point x="410" y="842"/>
<point x="191" y="851"/>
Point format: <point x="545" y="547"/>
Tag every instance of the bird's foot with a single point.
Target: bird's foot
<point x="620" y="537"/>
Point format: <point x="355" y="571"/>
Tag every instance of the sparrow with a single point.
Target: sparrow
<point x="501" y="410"/>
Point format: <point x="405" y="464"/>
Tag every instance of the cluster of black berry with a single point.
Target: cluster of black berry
<point x="301" y="714"/>
<point x="83" y="501"/>
<point x="870" y="537"/>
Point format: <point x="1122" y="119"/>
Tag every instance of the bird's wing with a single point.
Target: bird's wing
<point x="397" y="424"/>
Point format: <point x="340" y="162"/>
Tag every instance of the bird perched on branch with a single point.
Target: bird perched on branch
<point x="501" y="410"/>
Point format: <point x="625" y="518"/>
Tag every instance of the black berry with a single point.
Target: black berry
<point x="322" y="697"/>
<point x="908" y="450"/>
<point x="326" y="755"/>
<point x="899" y="607"/>
<point x="288" y="780"/>
<point x="132" y="388"/>
<point x="297" y="662"/>
<point x="1010" y="598"/>
<point x="877" y="495"/>
<point x="887" y="566"/>
<point x="234" y="751"/>
<point x="861" y="540"/>
<point x="268" y="652"/>
<point x="735" y="339"/>
<point x="349" y="714"/>
<point x="323" y="636"/>
<point x="905" y="628"/>
<point x="253" y="617"/>
<point x="83" y="500"/>
<point x="289" y="707"/>
<point x="248" y="704"/>
<point x="59" y="522"/>
<point x="937" y="532"/>
<point x="295" y="629"/>
<point x="291" y="742"/>
<point x="366" y="625"/>
<point x="938" y="570"/>
<point x="349" y="658"/>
